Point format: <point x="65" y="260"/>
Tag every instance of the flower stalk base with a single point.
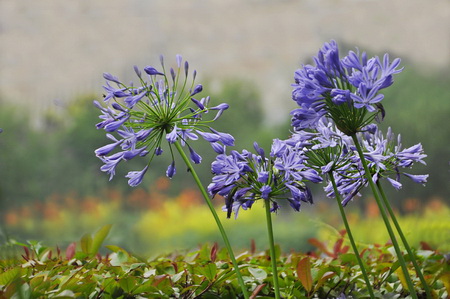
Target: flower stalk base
<point x="405" y="242"/>
<point x="400" y="257"/>
<point x="273" y="257"/>
<point x="350" y="236"/>
<point x="216" y="218"/>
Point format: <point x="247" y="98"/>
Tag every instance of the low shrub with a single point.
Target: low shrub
<point x="206" y="272"/>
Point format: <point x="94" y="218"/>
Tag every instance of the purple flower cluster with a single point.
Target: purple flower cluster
<point x="345" y="90"/>
<point x="242" y="178"/>
<point x="386" y="158"/>
<point x="162" y="107"/>
<point x="330" y="151"/>
<point x="339" y="98"/>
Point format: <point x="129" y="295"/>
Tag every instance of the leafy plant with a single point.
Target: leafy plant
<point x="206" y="272"/>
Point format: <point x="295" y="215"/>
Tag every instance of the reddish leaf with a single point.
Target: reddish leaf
<point x="175" y="266"/>
<point x="70" y="251"/>
<point x="27" y="253"/>
<point x="337" y="247"/>
<point x="213" y="254"/>
<point x="320" y="246"/>
<point x="344" y="249"/>
<point x="252" y="247"/>
<point x="257" y="290"/>
<point x="425" y="246"/>
<point x="304" y="273"/>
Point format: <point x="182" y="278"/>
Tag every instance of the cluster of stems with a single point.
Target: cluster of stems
<point x="384" y="205"/>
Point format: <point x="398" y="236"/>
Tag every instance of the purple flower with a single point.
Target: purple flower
<point x="366" y="97"/>
<point x="159" y="110"/>
<point x="172" y="136"/>
<point x="243" y="177"/>
<point x="385" y="158"/>
<point x="110" y="77"/>
<point x="197" y="89"/>
<point x="135" y="177"/>
<point x="353" y="80"/>
<point x="171" y="170"/>
<point x="417" y="178"/>
<point x="221" y="107"/>
<point x="263" y="176"/>
<point x="104" y="150"/>
<point x="152" y="71"/>
<point x="194" y="156"/>
<point x="265" y="192"/>
<point x="131" y="101"/>
<point x="210" y="137"/>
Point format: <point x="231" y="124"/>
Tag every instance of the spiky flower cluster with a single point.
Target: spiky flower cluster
<point x="330" y="151"/>
<point x="242" y="178"/>
<point x="162" y="107"/>
<point x="345" y="90"/>
<point x="339" y="99"/>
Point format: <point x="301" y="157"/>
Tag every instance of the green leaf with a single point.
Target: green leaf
<point x="258" y="273"/>
<point x="325" y="277"/>
<point x="128" y="283"/>
<point x="86" y="243"/>
<point x="9" y="276"/>
<point x="118" y="258"/>
<point x="348" y="258"/>
<point x="304" y="273"/>
<point x="114" y="248"/>
<point x="146" y="287"/>
<point x="209" y="271"/>
<point x="445" y="278"/>
<point x="99" y="237"/>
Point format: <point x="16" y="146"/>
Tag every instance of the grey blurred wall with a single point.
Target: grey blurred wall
<point x="52" y="51"/>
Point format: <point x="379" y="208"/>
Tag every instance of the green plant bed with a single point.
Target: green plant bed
<point x="207" y="272"/>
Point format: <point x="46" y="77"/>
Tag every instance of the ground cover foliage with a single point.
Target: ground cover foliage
<point x="80" y="271"/>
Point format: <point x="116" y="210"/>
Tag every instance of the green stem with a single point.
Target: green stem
<point x="405" y="242"/>
<point x="273" y="258"/>
<point x="216" y="217"/>
<point x="385" y="218"/>
<point x="350" y="236"/>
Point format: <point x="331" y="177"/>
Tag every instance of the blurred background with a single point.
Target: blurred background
<point x="53" y="54"/>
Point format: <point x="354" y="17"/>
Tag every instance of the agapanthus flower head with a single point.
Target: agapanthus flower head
<point x="346" y="90"/>
<point x="162" y="108"/>
<point x="385" y="157"/>
<point x="325" y="147"/>
<point x="244" y="177"/>
<point x="327" y="151"/>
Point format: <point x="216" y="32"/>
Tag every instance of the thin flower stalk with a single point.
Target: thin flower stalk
<point x="405" y="242"/>
<point x="216" y="217"/>
<point x="350" y="236"/>
<point x="385" y="218"/>
<point x="387" y="157"/>
<point x="273" y="257"/>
